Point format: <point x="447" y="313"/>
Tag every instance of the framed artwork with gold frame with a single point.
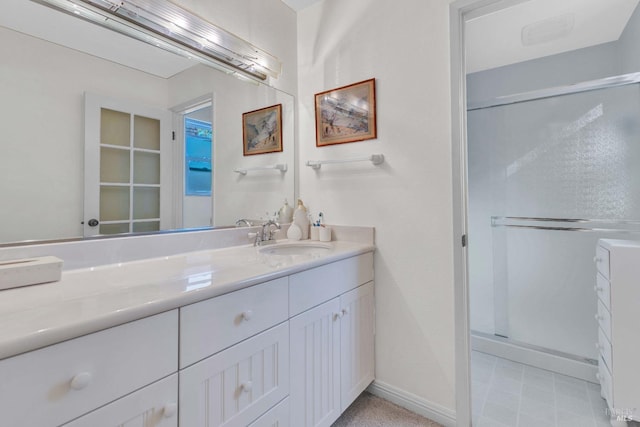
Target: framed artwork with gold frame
<point x="262" y="131"/>
<point x="346" y="114"/>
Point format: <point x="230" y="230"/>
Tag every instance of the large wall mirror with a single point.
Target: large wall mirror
<point x="62" y="79"/>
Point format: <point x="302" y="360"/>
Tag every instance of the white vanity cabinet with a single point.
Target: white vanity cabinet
<point x="332" y="344"/>
<point x="294" y="351"/>
<point x="618" y="289"/>
<point x="243" y="374"/>
<point x="56" y="384"/>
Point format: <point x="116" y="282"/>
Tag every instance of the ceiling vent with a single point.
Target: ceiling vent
<point x="548" y="30"/>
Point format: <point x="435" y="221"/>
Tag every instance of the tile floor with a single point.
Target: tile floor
<point x="510" y="394"/>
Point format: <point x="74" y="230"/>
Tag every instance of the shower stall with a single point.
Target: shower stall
<point x="550" y="172"/>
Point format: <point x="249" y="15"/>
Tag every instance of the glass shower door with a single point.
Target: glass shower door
<point x="547" y="179"/>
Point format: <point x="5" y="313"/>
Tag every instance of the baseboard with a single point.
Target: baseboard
<point x="530" y="356"/>
<point x="433" y="411"/>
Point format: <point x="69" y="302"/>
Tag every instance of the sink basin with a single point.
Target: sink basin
<point x="301" y="248"/>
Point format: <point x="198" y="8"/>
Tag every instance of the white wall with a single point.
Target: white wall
<point x="409" y="198"/>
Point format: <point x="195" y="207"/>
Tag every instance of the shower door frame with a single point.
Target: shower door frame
<point x="461" y="11"/>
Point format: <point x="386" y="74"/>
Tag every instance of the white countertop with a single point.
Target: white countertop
<point x="90" y="299"/>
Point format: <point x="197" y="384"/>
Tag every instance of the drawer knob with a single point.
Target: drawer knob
<point x="247" y="315"/>
<point x="169" y="410"/>
<point x="80" y="381"/>
<point x="246" y="386"/>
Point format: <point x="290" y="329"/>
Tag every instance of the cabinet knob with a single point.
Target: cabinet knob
<point x="599" y="346"/>
<point x="345" y="311"/>
<point x="337" y="316"/>
<point x="246" y="386"/>
<point x="598" y="376"/>
<point x="169" y="410"/>
<point x="599" y="318"/>
<point x="597" y="259"/>
<point x="598" y="288"/>
<point x="80" y="381"/>
<point x="246" y="315"/>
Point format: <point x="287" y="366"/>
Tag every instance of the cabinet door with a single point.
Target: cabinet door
<point x="315" y="366"/>
<point x="357" y="328"/>
<point x="234" y="387"/>
<point x="153" y="406"/>
<point x="277" y="416"/>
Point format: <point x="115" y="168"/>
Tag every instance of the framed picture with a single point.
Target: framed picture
<point x="262" y="130"/>
<point x="346" y="114"/>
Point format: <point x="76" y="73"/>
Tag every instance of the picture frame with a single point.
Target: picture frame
<point x="346" y="114"/>
<point x="262" y="131"/>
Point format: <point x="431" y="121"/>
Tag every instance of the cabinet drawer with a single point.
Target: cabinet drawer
<point x="156" y="405"/>
<point x="55" y="384"/>
<point x="210" y="326"/>
<point x="604" y="376"/>
<point x="313" y="287"/>
<point x="276" y="417"/>
<point x="604" y="319"/>
<point x="602" y="261"/>
<point x="604" y="346"/>
<point x="603" y="289"/>
<point x="236" y="386"/>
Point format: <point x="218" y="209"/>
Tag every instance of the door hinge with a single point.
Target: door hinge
<point x="464" y="240"/>
<point x="173" y="135"/>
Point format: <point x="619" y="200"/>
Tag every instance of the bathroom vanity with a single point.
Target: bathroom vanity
<point x="227" y="337"/>
<point x="618" y="301"/>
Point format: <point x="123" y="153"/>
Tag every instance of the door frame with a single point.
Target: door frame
<point x="461" y="11"/>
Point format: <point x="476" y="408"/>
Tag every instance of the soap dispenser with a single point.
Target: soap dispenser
<point x="301" y="219"/>
<point x="285" y="214"/>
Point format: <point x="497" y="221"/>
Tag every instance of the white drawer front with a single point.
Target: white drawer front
<point x="236" y="386"/>
<point x="210" y="326"/>
<point x="602" y="261"/>
<point x="276" y="417"/>
<point x="153" y="406"/>
<point x="313" y="287"/>
<point x="604" y="376"/>
<point x="603" y="289"/>
<point x="604" y="319"/>
<point x="55" y="384"/>
<point x="604" y="346"/>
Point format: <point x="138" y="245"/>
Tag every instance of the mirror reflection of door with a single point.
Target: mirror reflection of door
<point x="127" y="167"/>
<point x="195" y="149"/>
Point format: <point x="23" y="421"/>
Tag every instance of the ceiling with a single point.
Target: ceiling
<point x="299" y="4"/>
<point x="554" y="26"/>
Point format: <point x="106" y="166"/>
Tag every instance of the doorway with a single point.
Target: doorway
<point x="543" y="163"/>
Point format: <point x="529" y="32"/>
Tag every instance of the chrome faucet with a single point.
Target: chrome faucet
<point x="243" y="221"/>
<point x="266" y="235"/>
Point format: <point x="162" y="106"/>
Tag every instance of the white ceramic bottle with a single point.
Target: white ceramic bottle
<point x="301" y="219"/>
<point x="285" y="214"/>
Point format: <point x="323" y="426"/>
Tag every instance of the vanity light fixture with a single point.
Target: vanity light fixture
<point x="170" y="27"/>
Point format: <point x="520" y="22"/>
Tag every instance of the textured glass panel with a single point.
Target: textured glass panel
<point x="114" y="203"/>
<point x="146" y="167"/>
<point x="115" y="128"/>
<point x="146" y="133"/>
<point x="146" y="203"/>
<point x="143" y="227"/>
<point x="114" y="165"/>
<point x="114" y="228"/>
<point x="572" y="156"/>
